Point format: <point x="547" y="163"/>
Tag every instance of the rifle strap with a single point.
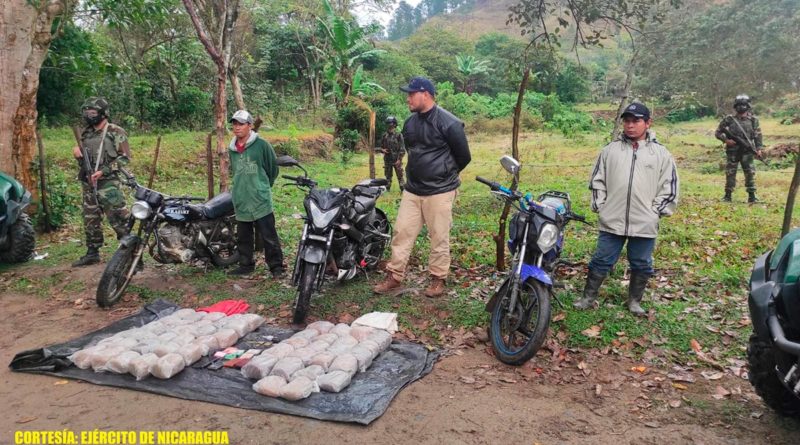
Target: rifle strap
<point x="100" y="147"/>
<point x="744" y="133"/>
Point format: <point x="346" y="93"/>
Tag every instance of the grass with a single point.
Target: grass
<point x="703" y="256"/>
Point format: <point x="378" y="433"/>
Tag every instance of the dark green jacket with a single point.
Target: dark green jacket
<point x="254" y="172"/>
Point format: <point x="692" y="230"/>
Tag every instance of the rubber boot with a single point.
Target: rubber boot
<point x="92" y="257"/>
<point x="727" y="197"/>
<point x="751" y="197"/>
<point x="636" y="290"/>
<point x="590" y="291"/>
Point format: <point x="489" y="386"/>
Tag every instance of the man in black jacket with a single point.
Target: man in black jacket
<point x="437" y="152"/>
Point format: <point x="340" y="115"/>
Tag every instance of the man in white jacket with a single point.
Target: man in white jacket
<point x="634" y="183"/>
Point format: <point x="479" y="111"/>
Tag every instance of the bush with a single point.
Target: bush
<point x="290" y="147"/>
<point x="62" y="203"/>
<point x="347" y="142"/>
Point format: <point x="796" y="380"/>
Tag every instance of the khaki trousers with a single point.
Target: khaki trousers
<point x="436" y="213"/>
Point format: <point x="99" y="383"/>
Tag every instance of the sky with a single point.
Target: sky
<point x="365" y="16"/>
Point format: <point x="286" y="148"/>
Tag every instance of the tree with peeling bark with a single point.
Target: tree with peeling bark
<point x="216" y="31"/>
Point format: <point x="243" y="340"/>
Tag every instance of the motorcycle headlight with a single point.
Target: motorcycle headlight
<point x="547" y="237"/>
<point x="141" y="210"/>
<point x="319" y="218"/>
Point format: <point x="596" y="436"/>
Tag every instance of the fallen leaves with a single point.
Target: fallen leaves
<point x="592" y="332"/>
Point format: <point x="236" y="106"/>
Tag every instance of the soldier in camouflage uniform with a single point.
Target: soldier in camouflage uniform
<point x="744" y="127"/>
<point x="109" y="200"/>
<point x="393" y="148"/>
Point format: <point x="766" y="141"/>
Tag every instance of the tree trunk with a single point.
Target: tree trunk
<point x="787" y="213"/>
<point x="45" y="218"/>
<point x="372" y="145"/>
<point x="27" y="33"/>
<point x="238" y="97"/>
<point x="626" y="92"/>
<point x="209" y="166"/>
<point x="500" y="238"/>
<point x="155" y="164"/>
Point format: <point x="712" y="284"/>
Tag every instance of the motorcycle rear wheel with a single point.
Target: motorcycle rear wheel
<point x="380" y="224"/>
<point x="762" y="358"/>
<point x="306" y="286"/>
<point x="517" y="338"/>
<point x="113" y="281"/>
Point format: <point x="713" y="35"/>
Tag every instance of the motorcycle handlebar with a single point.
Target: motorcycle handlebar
<point x="292" y="178"/>
<point x="493" y="185"/>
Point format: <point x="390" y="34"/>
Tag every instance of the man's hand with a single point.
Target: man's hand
<point x="76" y="151"/>
<point x="730" y="142"/>
<point x="399" y="163"/>
<point x="760" y="154"/>
<point x="96" y="176"/>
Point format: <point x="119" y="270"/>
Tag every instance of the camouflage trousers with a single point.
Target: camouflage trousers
<point x="734" y="158"/>
<point x="111" y="203"/>
<point x="388" y="169"/>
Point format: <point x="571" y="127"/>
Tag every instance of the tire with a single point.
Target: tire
<point x="305" y="288"/>
<point x="22" y="241"/>
<point x="762" y="358"/>
<point x="382" y="225"/>
<point x="229" y="254"/>
<point x="113" y="283"/>
<point x="517" y="346"/>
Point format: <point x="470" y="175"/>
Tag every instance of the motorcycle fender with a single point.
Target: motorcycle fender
<point x="760" y="297"/>
<point x="129" y="241"/>
<point x="531" y="271"/>
<point x="313" y="254"/>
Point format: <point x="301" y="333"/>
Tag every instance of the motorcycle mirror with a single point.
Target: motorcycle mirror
<point x="510" y="164"/>
<point x="287" y="161"/>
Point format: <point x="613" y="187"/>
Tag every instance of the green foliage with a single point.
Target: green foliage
<point x="433" y="49"/>
<point x="347" y="143"/>
<point x="63" y="204"/>
<point x="289" y="147"/>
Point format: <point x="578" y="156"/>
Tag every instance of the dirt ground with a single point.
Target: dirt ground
<point x="578" y="397"/>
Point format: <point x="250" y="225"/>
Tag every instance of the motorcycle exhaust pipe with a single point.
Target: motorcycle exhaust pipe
<point x="352" y="232"/>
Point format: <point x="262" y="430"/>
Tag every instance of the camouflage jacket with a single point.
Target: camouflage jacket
<point x="394" y="144"/>
<point x="116" y="145"/>
<point x="748" y="123"/>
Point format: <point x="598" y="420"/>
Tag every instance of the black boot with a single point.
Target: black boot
<point x="751" y="197"/>
<point x="727" y="197"/>
<point x="590" y="291"/>
<point x="243" y="269"/>
<point x="636" y="290"/>
<point x="92" y="257"/>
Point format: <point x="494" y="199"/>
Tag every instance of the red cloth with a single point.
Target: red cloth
<point x="240" y="147"/>
<point x="227" y="307"/>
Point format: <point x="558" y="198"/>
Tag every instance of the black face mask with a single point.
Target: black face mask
<point x="741" y="108"/>
<point x="93" y="120"/>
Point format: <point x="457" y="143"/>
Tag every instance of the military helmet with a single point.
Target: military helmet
<point x="742" y="101"/>
<point x="96" y="103"/>
<point x="391" y="120"/>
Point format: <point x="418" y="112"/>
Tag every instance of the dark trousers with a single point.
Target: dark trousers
<point x="609" y="248"/>
<point x="273" y="255"/>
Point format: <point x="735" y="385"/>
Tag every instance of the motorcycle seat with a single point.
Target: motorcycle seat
<point x="216" y="207"/>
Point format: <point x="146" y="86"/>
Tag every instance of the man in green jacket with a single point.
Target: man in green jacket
<point x="254" y="170"/>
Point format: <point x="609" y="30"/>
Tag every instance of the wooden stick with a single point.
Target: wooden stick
<point x="210" y="165"/>
<point x="46" y="225"/>
<point x="155" y="162"/>
<point x="372" y="145"/>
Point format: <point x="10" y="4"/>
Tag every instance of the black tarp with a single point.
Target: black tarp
<point x="364" y="400"/>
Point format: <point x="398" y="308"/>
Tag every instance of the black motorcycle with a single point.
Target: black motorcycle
<point x="520" y="308"/>
<point x="344" y="233"/>
<point x="173" y="230"/>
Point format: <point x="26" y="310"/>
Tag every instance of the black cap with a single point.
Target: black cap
<point x="637" y="109"/>
<point x="419" y="84"/>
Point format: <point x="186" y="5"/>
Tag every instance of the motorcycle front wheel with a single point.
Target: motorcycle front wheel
<point x="518" y="333"/>
<point x="305" y="287"/>
<point x="114" y="280"/>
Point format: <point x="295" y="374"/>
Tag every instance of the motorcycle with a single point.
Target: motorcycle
<point x="343" y="231"/>
<point x="773" y="351"/>
<point x="173" y="230"/>
<point x="520" y="308"/>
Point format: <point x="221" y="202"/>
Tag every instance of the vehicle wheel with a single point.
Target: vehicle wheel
<point x="226" y="253"/>
<point x="113" y="282"/>
<point x="517" y="335"/>
<point x="22" y="241"/>
<point x="375" y="252"/>
<point x="762" y="358"/>
<point x="306" y="286"/>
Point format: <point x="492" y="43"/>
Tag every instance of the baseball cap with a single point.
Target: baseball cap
<point x="419" y="84"/>
<point x="242" y="116"/>
<point x="637" y="109"/>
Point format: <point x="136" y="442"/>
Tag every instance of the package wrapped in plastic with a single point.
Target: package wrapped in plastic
<point x="155" y="327"/>
<point x="372" y="346"/>
<point x="209" y="343"/>
<point x="166" y="348"/>
<point x="323" y="359"/>
<point x="297" y="342"/>
<point x="321" y="326"/>
<point x="306" y="333"/>
<point x="239" y="325"/>
<point x="101" y="356"/>
<point x="121" y="342"/>
<point x="280" y="350"/>
<point x="184" y="338"/>
<point x="364" y="357"/>
<point x="378" y="320"/>
<point x="361" y="333"/>
<point x="226" y="337"/>
<point x="382" y="338"/>
<point x="254" y="321"/>
<point x="121" y="363"/>
<point x="343" y="344"/>
<point x="140" y="366"/>
<point x="205" y="329"/>
<point x="286" y="366"/>
<point x="214" y="316"/>
<point x="167" y="336"/>
<point x="340" y="329"/>
<point x="304" y="354"/>
<point x="190" y="353"/>
<point x="194" y="316"/>
<point x="167" y="366"/>
<point x="259" y="367"/>
<point x="299" y="388"/>
<point x="146" y="346"/>
<point x="318" y="346"/>
<point x="345" y="362"/>
<point x="83" y="358"/>
<point x="334" y="381"/>
<point x="181" y="313"/>
<point x="140" y="334"/>
<point x="311" y="372"/>
<point x="270" y="386"/>
<point x="327" y="338"/>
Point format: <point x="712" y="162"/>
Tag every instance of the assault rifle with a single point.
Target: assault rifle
<point x="744" y="142"/>
<point x="87" y="169"/>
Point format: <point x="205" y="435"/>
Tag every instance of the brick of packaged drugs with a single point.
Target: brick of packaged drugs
<point x="299" y="388"/>
<point x="259" y="367"/>
<point x="270" y="386"/>
<point x="286" y="366"/>
<point x="167" y="366"/>
<point x="334" y="381"/>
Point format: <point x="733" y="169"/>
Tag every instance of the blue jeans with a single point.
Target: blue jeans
<point x="609" y="247"/>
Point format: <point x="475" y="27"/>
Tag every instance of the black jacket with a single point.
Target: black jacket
<point x="437" y="151"/>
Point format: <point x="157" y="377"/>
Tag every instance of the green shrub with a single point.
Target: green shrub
<point x="347" y="143"/>
<point x="62" y="203"/>
<point x="290" y="147"/>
